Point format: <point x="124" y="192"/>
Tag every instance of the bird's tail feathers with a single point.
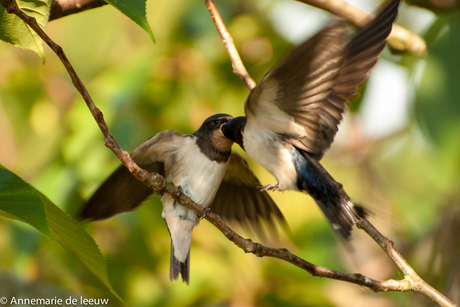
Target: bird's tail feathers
<point x="176" y="267"/>
<point x="312" y="179"/>
<point x="340" y="214"/>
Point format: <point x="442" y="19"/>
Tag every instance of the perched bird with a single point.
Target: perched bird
<point x="208" y="172"/>
<point x="293" y="113"/>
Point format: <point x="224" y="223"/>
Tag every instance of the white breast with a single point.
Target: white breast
<point x="199" y="177"/>
<point x="265" y="147"/>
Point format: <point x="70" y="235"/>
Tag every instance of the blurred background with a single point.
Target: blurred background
<point x="397" y="153"/>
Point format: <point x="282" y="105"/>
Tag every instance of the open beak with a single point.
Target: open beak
<point x="220" y="129"/>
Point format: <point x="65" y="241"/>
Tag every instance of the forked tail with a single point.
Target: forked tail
<point x="176" y="267"/>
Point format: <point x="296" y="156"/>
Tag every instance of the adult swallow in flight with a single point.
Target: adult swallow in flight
<point x="293" y="113"/>
<point x="208" y="172"/>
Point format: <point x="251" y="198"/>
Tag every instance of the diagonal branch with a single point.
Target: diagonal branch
<point x="417" y="283"/>
<point x="227" y="40"/>
<point x="155" y="181"/>
<point x="248" y="246"/>
<point x="400" y="39"/>
<point x="159" y="185"/>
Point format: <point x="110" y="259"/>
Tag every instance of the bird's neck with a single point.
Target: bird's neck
<point x="209" y="149"/>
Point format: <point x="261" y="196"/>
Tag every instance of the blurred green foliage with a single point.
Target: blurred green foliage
<point x="409" y="179"/>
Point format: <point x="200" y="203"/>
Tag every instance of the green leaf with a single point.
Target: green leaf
<point x="136" y="11"/>
<point x="21" y="201"/>
<point x="18" y="200"/>
<point x="15" y="31"/>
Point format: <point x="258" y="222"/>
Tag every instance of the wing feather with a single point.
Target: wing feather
<point x="121" y="191"/>
<point x="312" y="85"/>
<point x="239" y="199"/>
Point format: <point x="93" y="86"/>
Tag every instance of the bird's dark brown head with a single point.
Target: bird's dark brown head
<point x="233" y="129"/>
<point x="211" y="140"/>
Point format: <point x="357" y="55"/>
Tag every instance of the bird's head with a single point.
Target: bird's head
<point x="211" y="130"/>
<point x="233" y="129"/>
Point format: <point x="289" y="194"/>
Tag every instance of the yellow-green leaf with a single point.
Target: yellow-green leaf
<point x="21" y="201"/>
<point x="136" y="11"/>
<point x="15" y="31"/>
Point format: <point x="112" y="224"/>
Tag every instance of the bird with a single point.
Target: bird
<point x="203" y="165"/>
<point x="293" y="113"/>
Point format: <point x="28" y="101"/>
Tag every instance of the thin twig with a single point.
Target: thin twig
<point x="400" y="39"/>
<point x="155" y="181"/>
<point x="237" y="64"/>
<point x="416" y="282"/>
<point x="159" y="184"/>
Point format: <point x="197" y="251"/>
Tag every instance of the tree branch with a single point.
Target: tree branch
<point x="415" y="281"/>
<point x="62" y="8"/>
<point x="248" y="246"/>
<point x="411" y="282"/>
<point x="400" y="39"/>
<point x="157" y="182"/>
<point x="227" y="40"/>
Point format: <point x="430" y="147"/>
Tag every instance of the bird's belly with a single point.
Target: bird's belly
<point x="275" y="156"/>
<point x="199" y="177"/>
<point x="202" y="184"/>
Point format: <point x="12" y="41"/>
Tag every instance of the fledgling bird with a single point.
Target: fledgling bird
<point x="207" y="171"/>
<point x="293" y="113"/>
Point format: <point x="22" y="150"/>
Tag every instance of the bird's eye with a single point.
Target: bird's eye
<point x="216" y="122"/>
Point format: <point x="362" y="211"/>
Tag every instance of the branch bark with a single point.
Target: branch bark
<point x="417" y="284"/>
<point x="62" y="8"/>
<point x="411" y="282"/>
<point x="227" y="40"/>
<point x="400" y="39"/>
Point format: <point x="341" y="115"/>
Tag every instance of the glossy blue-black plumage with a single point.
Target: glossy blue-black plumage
<point x="310" y="180"/>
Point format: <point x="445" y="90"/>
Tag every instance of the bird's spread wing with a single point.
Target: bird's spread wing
<point x="121" y="191"/>
<point x="304" y="95"/>
<point x="239" y="199"/>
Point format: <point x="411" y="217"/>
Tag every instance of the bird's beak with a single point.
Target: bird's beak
<point x="220" y="129"/>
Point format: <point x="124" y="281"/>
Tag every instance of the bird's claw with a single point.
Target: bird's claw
<point x="269" y="187"/>
<point x="207" y="209"/>
<point x="179" y="191"/>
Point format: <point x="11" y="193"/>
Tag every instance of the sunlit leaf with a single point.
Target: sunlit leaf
<point x="15" y="31"/>
<point x="136" y="11"/>
<point x="19" y="200"/>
